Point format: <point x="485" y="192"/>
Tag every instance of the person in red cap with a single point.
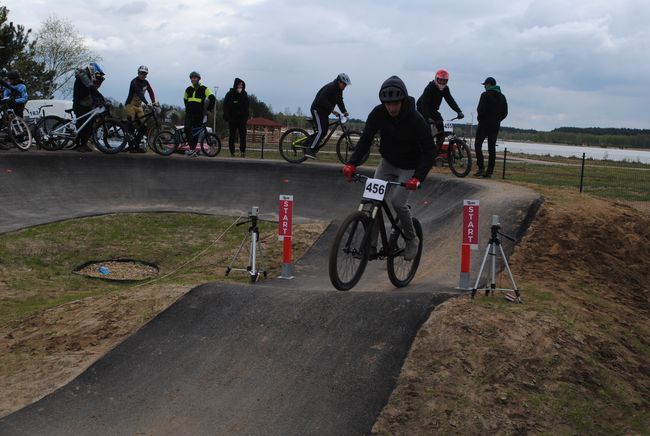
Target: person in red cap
<point x="492" y="109"/>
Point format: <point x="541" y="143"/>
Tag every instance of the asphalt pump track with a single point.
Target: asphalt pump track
<point x="279" y="357"/>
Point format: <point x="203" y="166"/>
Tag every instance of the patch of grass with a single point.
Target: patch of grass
<point x="36" y="264"/>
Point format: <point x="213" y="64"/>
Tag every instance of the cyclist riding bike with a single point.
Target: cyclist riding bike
<point x="429" y="103"/>
<point x="194" y="98"/>
<point x="327" y="98"/>
<point x="136" y="97"/>
<point x="406" y="149"/>
<point x="15" y="95"/>
<point x="85" y="97"/>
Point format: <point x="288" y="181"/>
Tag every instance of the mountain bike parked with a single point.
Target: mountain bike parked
<point x="455" y="151"/>
<point x="54" y="132"/>
<point x="14" y="131"/>
<point x="351" y="249"/>
<point x="142" y="132"/>
<point x="294" y="142"/>
<point x="168" y="142"/>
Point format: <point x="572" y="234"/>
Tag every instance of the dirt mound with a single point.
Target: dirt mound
<point x="573" y="358"/>
<point x="122" y="270"/>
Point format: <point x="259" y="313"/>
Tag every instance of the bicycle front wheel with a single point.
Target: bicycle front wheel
<point x="110" y="136"/>
<point x="210" y="144"/>
<point x="20" y="134"/>
<point x="293" y="144"/>
<point x="165" y="142"/>
<point x="460" y="158"/>
<point x="347" y="145"/>
<point x="400" y="270"/>
<point x="349" y="252"/>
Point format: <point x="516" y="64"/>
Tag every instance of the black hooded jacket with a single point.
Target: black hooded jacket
<point x="235" y="104"/>
<point x="328" y="97"/>
<point x="406" y="140"/>
<point x="429" y="102"/>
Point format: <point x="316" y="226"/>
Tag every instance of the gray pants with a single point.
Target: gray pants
<point x="398" y="196"/>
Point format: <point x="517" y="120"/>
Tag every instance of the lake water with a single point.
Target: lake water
<point x="616" y="154"/>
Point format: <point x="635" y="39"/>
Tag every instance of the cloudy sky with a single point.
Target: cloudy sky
<point x="560" y="63"/>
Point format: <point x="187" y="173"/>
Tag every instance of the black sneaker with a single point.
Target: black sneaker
<point x="487" y="175"/>
<point x="479" y="173"/>
<point x="310" y="154"/>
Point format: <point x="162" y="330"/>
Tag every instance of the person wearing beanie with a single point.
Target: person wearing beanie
<point x="235" y="113"/>
<point x="492" y="110"/>
<point x="407" y="152"/>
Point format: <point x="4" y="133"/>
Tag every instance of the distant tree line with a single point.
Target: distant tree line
<point x="590" y="136"/>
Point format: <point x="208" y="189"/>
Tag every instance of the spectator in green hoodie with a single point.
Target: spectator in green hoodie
<point x="492" y="109"/>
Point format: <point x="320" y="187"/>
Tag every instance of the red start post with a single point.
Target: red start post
<point x="285" y="231"/>
<point x="470" y="239"/>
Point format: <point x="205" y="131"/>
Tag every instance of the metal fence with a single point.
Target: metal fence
<point x="618" y="180"/>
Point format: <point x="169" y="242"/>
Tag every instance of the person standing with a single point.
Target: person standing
<point x="429" y="103"/>
<point x="492" y="110"/>
<point x="235" y="113"/>
<point x="194" y="99"/>
<point x="327" y="98"/>
<point x="85" y="97"/>
<point x="16" y="94"/>
<point x="134" y="100"/>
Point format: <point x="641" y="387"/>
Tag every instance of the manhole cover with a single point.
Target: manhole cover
<point x="118" y="269"/>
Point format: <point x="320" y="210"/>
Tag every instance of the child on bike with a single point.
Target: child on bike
<point x="134" y="100"/>
<point x="327" y="98"/>
<point x="194" y="98"/>
<point x="429" y="103"/>
<point x="85" y="97"/>
<point x="16" y="94"/>
<point x="406" y="149"/>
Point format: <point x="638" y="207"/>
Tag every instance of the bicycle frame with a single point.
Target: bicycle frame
<point x="90" y="116"/>
<point x="334" y="125"/>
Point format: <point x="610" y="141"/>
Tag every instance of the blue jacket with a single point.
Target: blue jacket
<point x="19" y="91"/>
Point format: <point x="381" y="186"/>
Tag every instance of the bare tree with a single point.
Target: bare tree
<point x="62" y="49"/>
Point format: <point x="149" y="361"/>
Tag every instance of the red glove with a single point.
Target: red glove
<point x="412" y="184"/>
<point x="348" y="171"/>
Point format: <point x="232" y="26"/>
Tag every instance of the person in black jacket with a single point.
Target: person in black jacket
<point x="86" y="96"/>
<point x="492" y="109"/>
<point x="429" y="103"/>
<point x="406" y="148"/>
<point x="235" y="113"/>
<point x="328" y="97"/>
<point x="194" y="98"/>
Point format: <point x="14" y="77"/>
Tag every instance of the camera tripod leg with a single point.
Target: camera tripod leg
<point x="241" y="247"/>
<point x="493" y="282"/>
<point x="480" y="271"/>
<point x="512" y="279"/>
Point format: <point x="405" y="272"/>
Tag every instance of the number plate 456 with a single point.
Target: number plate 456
<point x="375" y="189"/>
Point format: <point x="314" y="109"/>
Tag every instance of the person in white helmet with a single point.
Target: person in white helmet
<point x="327" y="98"/>
<point x="133" y="107"/>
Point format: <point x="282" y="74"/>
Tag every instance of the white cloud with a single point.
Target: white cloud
<point x="581" y="63"/>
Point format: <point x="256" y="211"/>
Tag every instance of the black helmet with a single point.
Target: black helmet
<point x="195" y="74"/>
<point x="13" y="75"/>
<point x="393" y="89"/>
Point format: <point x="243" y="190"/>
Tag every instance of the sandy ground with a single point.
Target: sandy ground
<point x="573" y="359"/>
<point x="48" y="349"/>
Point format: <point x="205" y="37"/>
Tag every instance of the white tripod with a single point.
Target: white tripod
<point x="256" y="245"/>
<point x="491" y="250"/>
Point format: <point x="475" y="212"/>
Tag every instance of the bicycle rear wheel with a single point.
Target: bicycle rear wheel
<point x="347" y="145"/>
<point x="293" y="144"/>
<point x="210" y="144"/>
<point x="401" y="271"/>
<point x="165" y="142"/>
<point x="349" y="252"/>
<point x="110" y="136"/>
<point x="19" y="133"/>
<point x="460" y="157"/>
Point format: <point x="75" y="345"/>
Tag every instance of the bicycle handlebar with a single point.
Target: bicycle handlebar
<point x="360" y="177"/>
